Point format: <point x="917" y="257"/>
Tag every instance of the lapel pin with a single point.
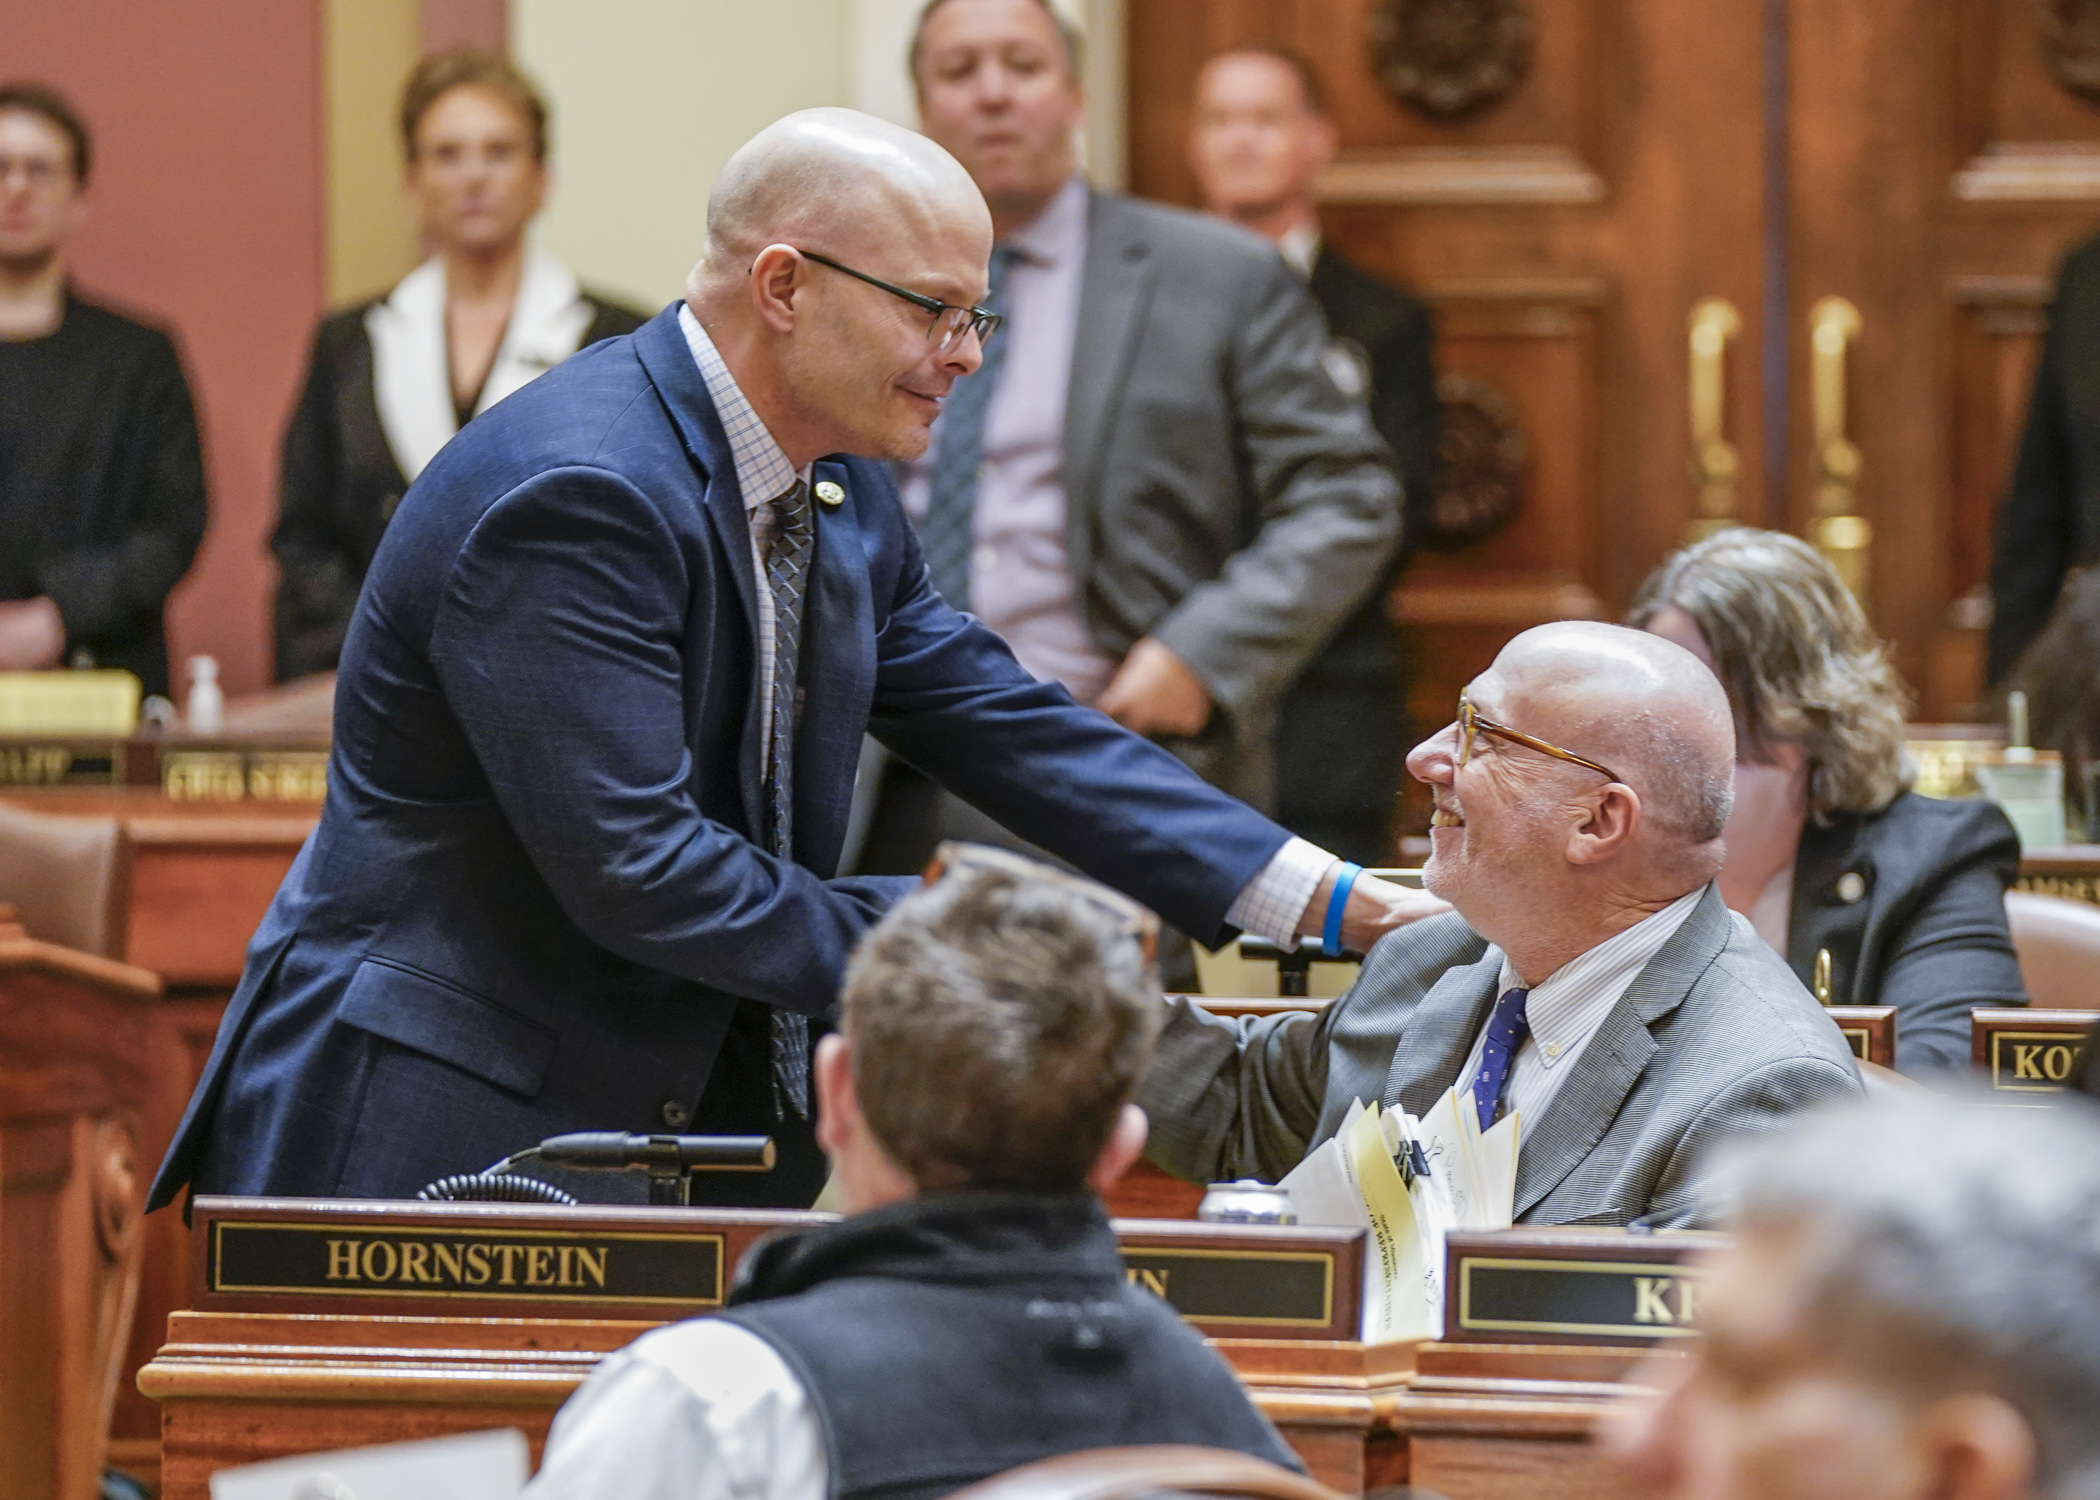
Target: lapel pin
<point x="1851" y="886"/>
<point x="830" y="493"/>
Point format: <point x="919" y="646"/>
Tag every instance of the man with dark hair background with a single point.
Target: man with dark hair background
<point x="101" y="477"/>
<point x="1260" y="139"/>
<point x="1155" y="495"/>
<point x="971" y="1314"/>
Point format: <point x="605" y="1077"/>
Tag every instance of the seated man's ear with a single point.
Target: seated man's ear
<point x="1978" y="1447"/>
<point x="1125" y="1143"/>
<point x="1606" y="826"/>
<point x="838" y="1104"/>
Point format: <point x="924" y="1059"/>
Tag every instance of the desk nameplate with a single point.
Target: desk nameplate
<point x="1870" y="1031"/>
<point x="1263" y="1281"/>
<point x="469" y="1259"/>
<point x="528" y="1260"/>
<point x="2028" y="1051"/>
<point x="1529" y="1286"/>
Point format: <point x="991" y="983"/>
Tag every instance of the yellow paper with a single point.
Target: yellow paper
<point x="1396" y="1307"/>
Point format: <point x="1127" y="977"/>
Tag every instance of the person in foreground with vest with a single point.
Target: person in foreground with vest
<point x="1591" y="978"/>
<point x="971" y="1313"/>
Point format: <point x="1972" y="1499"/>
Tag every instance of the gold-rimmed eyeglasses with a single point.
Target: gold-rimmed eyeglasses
<point x="1470" y="723"/>
<point x="949" y="323"/>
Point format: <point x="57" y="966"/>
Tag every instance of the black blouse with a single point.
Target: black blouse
<point x="101" y="483"/>
<point x="340" y="486"/>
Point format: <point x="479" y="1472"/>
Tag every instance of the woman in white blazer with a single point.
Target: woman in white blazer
<point x="391" y="380"/>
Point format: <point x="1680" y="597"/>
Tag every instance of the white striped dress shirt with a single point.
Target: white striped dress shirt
<point x="1567" y="1006"/>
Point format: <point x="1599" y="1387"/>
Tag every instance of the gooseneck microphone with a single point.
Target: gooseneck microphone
<point x="670" y="1161"/>
<point x="617" y="1151"/>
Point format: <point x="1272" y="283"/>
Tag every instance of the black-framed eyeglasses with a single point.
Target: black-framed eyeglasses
<point x="1471" y="723"/>
<point x="950" y="322"/>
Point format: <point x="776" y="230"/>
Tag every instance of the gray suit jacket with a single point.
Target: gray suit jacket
<point x="1715" y="1037"/>
<point x="1222" y="494"/>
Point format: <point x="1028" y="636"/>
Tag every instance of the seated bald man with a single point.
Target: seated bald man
<point x="1590" y="979"/>
<point x="600" y="707"/>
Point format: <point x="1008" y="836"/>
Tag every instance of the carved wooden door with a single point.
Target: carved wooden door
<point x="1591" y="191"/>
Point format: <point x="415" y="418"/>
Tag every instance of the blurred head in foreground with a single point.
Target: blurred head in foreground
<point x="1911" y="1309"/>
<point x="992" y="1030"/>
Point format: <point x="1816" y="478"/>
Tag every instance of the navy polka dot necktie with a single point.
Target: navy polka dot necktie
<point x="1506" y="1029"/>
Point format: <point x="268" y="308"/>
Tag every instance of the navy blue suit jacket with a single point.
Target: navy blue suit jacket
<point x="533" y="899"/>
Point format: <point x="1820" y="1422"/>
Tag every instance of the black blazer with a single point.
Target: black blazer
<point x="1344" y="732"/>
<point x="1921" y="927"/>
<point x="102" y="499"/>
<point x="340" y="485"/>
<point x="2050" y="522"/>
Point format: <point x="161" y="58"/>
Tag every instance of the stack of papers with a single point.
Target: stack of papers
<point x="1410" y="1183"/>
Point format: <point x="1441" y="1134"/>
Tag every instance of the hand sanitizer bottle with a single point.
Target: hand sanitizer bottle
<point x="207" y="708"/>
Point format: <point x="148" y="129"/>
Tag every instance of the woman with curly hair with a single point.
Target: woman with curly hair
<point x="1873" y="894"/>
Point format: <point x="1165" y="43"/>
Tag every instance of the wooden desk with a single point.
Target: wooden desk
<point x="257" y="1370"/>
<point x="202" y="875"/>
<point x="74" y="1063"/>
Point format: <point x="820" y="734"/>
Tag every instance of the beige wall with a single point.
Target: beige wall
<point x="651" y="96"/>
<point x="367" y="49"/>
<point x="649" y="99"/>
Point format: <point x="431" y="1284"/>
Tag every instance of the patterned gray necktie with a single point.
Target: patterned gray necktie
<point x="788" y="552"/>
<point x="951" y="503"/>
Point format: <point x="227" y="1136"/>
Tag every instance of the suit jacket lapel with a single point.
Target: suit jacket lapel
<point x="1114" y="289"/>
<point x="838" y="670"/>
<point x="1434" y="1044"/>
<point x="660" y="345"/>
<point x="1601" y="1078"/>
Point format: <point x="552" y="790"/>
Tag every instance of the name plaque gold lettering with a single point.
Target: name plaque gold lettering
<point x="1277" y="1289"/>
<point x="1576" y="1299"/>
<point x="61" y="763"/>
<point x="666" y="1271"/>
<point x="2029" y="1051"/>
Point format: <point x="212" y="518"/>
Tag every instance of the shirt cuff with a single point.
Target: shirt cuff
<point x="1273" y="902"/>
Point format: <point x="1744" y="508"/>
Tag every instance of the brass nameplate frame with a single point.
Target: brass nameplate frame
<point x="1577" y="1298"/>
<point x="1571" y="1286"/>
<point x="1249" y="1288"/>
<point x="664" y="1271"/>
<point x="2028" y="1051"/>
<point x="68" y="762"/>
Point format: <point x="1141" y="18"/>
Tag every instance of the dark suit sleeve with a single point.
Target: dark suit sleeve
<point x="558" y="644"/>
<point x="2033" y="544"/>
<point x="1327" y="506"/>
<point x="1955" y="951"/>
<point x="317" y="577"/>
<point x="109" y="590"/>
<point x="1404" y="408"/>
<point x="1230" y="1099"/>
<point x="951" y="700"/>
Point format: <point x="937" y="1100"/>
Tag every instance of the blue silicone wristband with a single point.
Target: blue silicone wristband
<point x="1331" y="933"/>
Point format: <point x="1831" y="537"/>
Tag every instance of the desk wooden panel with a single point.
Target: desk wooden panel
<point x="259" y="1370"/>
<point x="202" y="874"/>
<point x="74" y="1062"/>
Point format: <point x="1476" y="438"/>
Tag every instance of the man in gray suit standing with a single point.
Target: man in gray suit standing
<point x="1590" y="978"/>
<point x="1152" y="490"/>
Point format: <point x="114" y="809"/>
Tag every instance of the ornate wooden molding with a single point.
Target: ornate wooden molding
<point x="1449" y="59"/>
<point x="2031" y="172"/>
<point x="1485" y="457"/>
<point x="1459" y="175"/>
